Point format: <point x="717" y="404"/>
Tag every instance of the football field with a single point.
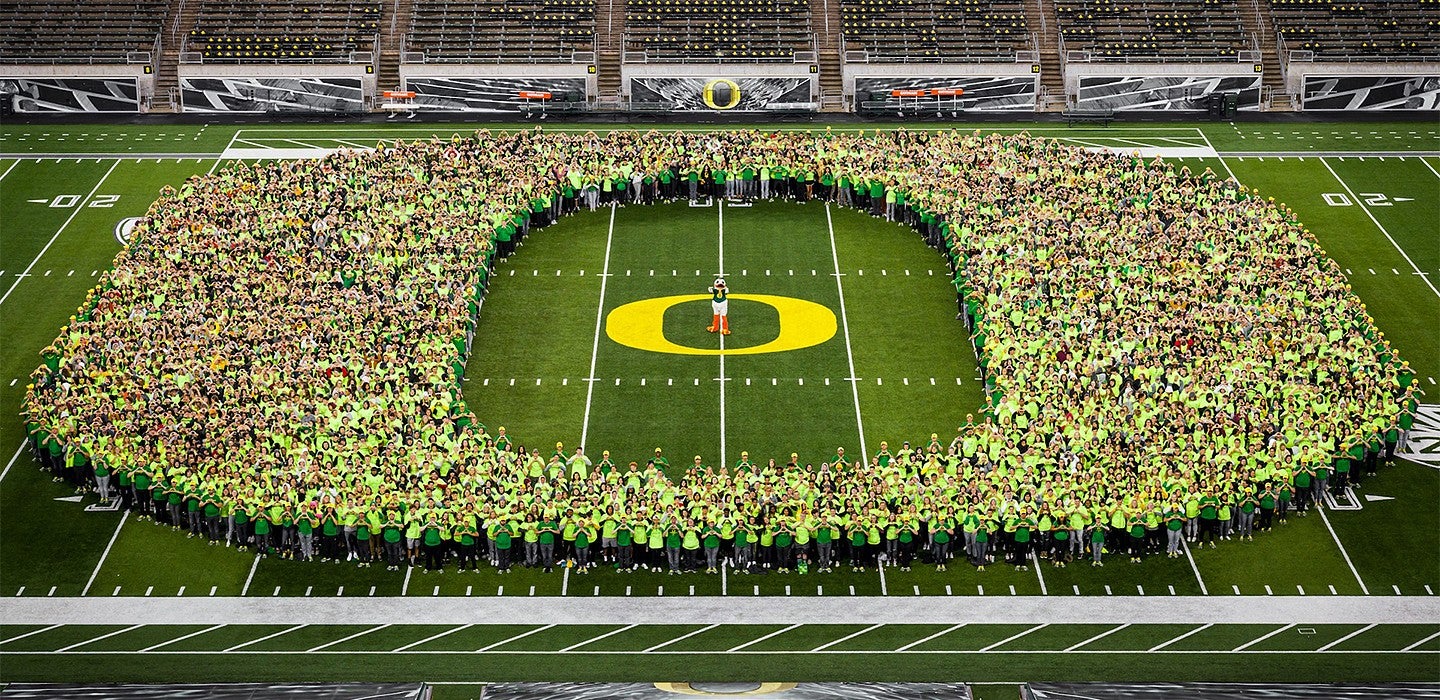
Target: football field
<point x="844" y="334"/>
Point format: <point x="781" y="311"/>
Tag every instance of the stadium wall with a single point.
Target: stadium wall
<point x="285" y="88"/>
<point x="48" y="88"/>
<point x="495" y="88"/>
<point x="988" y="87"/>
<point x="721" y="87"/>
<point x="1160" y="86"/>
<point x="1329" y="86"/>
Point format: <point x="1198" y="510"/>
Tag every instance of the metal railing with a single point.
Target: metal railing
<point x="175" y="26"/>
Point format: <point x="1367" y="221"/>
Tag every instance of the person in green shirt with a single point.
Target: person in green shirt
<point x="549" y="529"/>
<point x="434" y="545"/>
<point x="710" y="540"/>
<point x="394" y="536"/>
<point x="674" y="534"/>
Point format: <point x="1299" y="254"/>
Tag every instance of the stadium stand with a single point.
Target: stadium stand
<point x="718" y="30"/>
<point x="93" y="31"/>
<point x="1152" y="30"/>
<point x="935" y="30"/>
<point x="527" y="31"/>
<point x="268" y="31"/>
<point x="1369" y="29"/>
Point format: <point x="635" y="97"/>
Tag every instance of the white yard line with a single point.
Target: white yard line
<point x="1038" y="573"/>
<point x="522" y="635"/>
<point x="847" y="637"/>
<point x="96" y="639"/>
<point x="221" y="157"/>
<point x="682" y="637"/>
<point x="7" y="170"/>
<point x="31" y="633"/>
<point x="720" y="207"/>
<point x="1347" y="637"/>
<point x="181" y="638"/>
<point x="1193" y="567"/>
<point x="880" y="566"/>
<point x="1197" y="630"/>
<point x="242" y="645"/>
<point x="104" y="554"/>
<point x="1014" y="637"/>
<point x="1416" y="645"/>
<point x="611" y="633"/>
<point x="253" y="565"/>
<point x="762" y="638"/>
<point x="346" y="639"/>
<point x="1211" y="146"/>
<point x="1422" y="160"/>
<point x="1403" y="254"/>
<point x="1261" y="638"/>
<point x="1326" y="519"/>
<point x="13" y="457"/>
<point x="433" y="637"/>
<point x="599" y="321"/>
<point x="845" y="321"/>
<point x="937" y="635"/>
<point x="79" y="207"/>
<point x="1097" y="637"/>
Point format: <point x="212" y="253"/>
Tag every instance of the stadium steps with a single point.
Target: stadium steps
<point x="179" y="20"/>
<point x="825" y="19"/>
<point x="1040" y="18"/>
<point x="609" y="42"/>
<point x="1259" y="22"/>
<point x="394" y="26"/>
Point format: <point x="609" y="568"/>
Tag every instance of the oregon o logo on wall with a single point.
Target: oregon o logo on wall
<point x="721" y="93"/>
<point x="641" y="325"/>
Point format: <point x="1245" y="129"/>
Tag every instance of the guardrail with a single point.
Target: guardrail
<point x="355" y="57"/>
<point x="585" y="57"/>
<point x="1087" y="56"/>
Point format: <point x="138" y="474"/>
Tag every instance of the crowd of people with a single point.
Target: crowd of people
<point x="275" y="362"/>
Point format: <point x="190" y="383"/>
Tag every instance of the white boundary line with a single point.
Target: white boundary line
<point x="599" y="321"/>
<point x="1325" y="519"/>
<point x="522" y="635"/>
<point x="847" y="637"/>
<point x="762" y="638"/>
<point x="1014" y="637"/>
<point x="937" y="635"/>
<point x="32" y="633"/>
<point x="849" y="355"/>
<point x="242" y="645"/>
<point x="181" y="638"/>
<point x="432" y="638"/>
<point x="105" y="554"/>
<point x="1261" y="638"/>
<point x="348" y="638"/>
<point x="1197" y="630"/>
<point x="92" y="640"/>
<point x="1356" y="633"/>
<point x="1403" y="254"/>
<point x="682" y="637"/>
<point x="743" y="652"/>
<point x="79" y="207"/>
<point x="611" y="633"/>
<point x="720" y="207"/>
<point x="1097" y="637"/>
<point x="13" y="457"/>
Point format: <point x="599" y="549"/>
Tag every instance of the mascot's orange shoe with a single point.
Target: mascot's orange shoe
<point x="724" y="325"/>
<point x="714" y="324"/>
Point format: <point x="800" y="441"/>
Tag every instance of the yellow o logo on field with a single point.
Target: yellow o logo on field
<point x="641" y="325"/>
<point x="721" y="93"/>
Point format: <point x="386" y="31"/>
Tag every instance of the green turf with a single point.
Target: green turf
<point x="901" y="327"/>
